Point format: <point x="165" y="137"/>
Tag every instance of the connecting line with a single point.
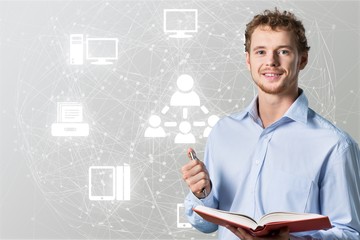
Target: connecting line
<point x="204" y="109"/>
<point x="165" y="110"/>
<point x="157" y="207"/>
<point x="199" y="124"/>
<point x="170" y="124"/>
<point x="185" y="113"/>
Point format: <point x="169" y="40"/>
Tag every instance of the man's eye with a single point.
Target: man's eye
<point x="283" y="52"/>
<point x="260" y="52"/>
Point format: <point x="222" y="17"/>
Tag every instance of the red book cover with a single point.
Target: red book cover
<point x="296" y="222"/>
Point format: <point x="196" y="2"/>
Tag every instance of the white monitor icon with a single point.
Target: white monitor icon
<point x="180" y="22"/>
<point x="102" y="51"/>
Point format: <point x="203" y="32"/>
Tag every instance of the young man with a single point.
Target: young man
<point x="277" y="154"/>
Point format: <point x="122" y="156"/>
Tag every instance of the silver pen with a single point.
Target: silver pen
<point x="192" y="156"/>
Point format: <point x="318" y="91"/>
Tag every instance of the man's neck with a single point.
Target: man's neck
<point x="272" y="107"/>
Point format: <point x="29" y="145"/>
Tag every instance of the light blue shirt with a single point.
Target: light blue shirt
<point x="301" y="163"/>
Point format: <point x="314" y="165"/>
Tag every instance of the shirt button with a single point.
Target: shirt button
<point x="257" y="162"/>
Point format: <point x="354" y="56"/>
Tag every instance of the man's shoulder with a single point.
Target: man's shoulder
<point x="323" y="124"/>
<point x="228" y="122"/>
<point x="233" y="117"/>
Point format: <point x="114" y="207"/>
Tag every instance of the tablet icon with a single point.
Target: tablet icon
<point x="182" y="221"/>
<point x="102" y="183"/>
<point x="69" y="120"/>
<point x="109" y="183"/>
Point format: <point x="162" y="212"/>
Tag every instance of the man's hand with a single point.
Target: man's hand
<point x="242" y="234"/>
<point x="197" y="177"/>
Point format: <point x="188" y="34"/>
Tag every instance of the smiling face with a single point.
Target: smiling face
<point x="274" y="61"/>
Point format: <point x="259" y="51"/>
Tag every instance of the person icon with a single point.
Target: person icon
<point x="154" y="130"/>
<point x="212" y="120"/>
<point x="185" y="136"/>
<point x="185" y="97"/>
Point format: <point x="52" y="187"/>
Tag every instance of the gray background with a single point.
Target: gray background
<point x="43" y="191"/>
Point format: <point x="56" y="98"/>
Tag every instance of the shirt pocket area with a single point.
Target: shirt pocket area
<point x="284" y="191"/>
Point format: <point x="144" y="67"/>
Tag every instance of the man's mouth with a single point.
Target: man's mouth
<point x="272" y="74"/>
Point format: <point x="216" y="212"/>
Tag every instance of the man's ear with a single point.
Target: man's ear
<point x="248" y="61"/>
<point x="303" y="60"/>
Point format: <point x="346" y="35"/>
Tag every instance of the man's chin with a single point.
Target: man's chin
<point x="271" y="90"/>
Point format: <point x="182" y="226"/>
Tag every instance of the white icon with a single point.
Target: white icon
<point x="212" y="120"/>
<point x="185" y="97"/>
<point x="69" y="120"/>
<point x="181" y="217"/>
<point x="109" y="183"/>
<point x="102" y="183"/>
<point x="155" y="130"/>
<point x="185" y="136"/>
<point x="180" y="22"/>
<point x="76" y="49"/>
<point x="102" y="50"/>
<point x="123" y="182"/>
<point x="189" y="101"/>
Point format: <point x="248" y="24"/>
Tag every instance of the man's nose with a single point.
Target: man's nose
<point x="272" y="60"/>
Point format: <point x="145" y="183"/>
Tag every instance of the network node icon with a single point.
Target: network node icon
<point x="185" y="96"/>
<point x="188" y="100"/>
<point x="180" y="22"/>
<point x="69" y="121"/>
<point x="155" y="130"/>
<point x="185" y="135"/>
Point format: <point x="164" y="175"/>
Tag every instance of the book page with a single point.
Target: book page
<point x="228" y="216"/>
<point x="286" y="216"/>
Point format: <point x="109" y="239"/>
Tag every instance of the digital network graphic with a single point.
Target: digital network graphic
<point x="111" y="94"/>
<point x="185" y="98"/>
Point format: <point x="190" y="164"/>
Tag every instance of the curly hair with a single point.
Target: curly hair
<point x="278" y="20"/>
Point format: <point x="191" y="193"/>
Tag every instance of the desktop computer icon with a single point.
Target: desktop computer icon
<point x="76" y="49"/>
<point x="69" y="121"/>
<point x="180" y="22"/>
<point x="102" y="51"/>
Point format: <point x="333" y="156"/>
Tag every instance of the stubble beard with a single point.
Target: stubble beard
<point x="273" y="91"/>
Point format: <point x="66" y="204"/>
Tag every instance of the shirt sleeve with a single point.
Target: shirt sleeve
<point x="340" y="195"/>
<point x="196" y="221"/>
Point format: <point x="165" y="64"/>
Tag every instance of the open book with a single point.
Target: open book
<point x="296" y="222"/>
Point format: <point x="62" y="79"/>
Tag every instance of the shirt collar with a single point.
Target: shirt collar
<point x="298" y="111"/>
